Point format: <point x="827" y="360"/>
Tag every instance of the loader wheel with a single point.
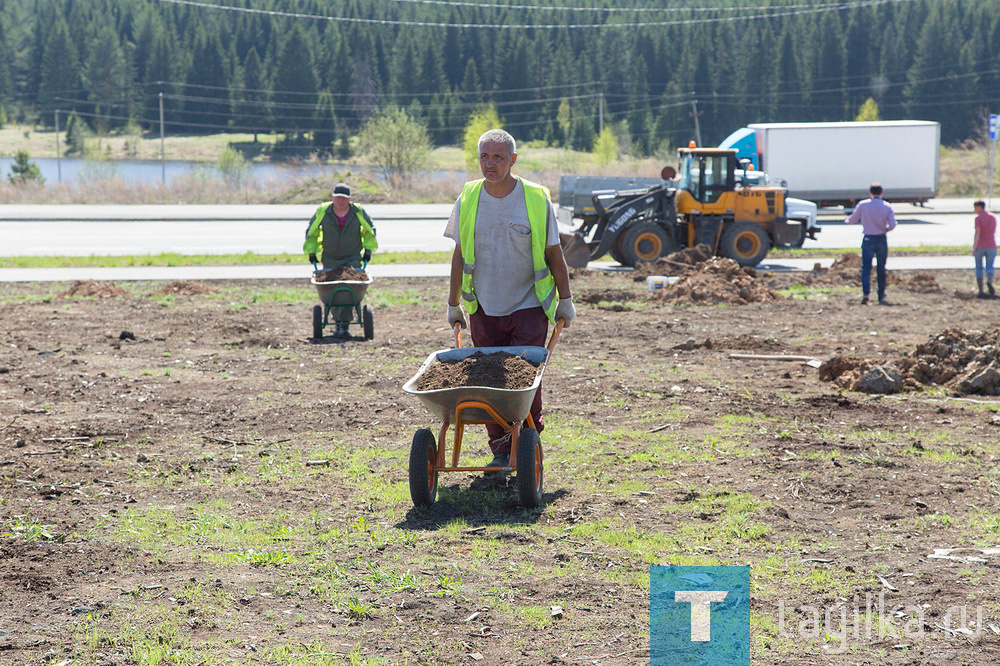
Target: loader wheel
<point x="616" y="252"/>
<point x="745" y="242"/>
<point x="644" y="241"/>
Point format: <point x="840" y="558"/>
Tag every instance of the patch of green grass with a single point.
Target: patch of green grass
<point x="174" y="259"/>
<point x="538" y="617"/>
<point x="906" y="250"/>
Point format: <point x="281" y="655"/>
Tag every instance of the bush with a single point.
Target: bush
<point x="606" y="147"/>
<point x="233" y="165"/>
<point x="398" y="144"/>
<point x="24" y="171"/>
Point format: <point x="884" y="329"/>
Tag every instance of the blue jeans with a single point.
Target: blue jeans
<point x="877" y="247"/>
<point x="986" y="255"/>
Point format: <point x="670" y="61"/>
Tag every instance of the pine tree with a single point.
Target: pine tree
<point x="296" y="74"/>
<point x="253" y="109"/>
<point x="106" y="78"/>
<point x="208" y="104"/>
<point x="325" y="124"/>
<point x="60" y="76"/>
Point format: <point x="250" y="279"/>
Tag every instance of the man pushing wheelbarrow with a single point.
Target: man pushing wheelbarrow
<point x="343" y="235"/>
<point x="508" y="267"/>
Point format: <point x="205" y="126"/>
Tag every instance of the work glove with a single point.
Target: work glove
<point x="456" y="316"/>
<point x="566" y="310"/>
<point x="312" y="259"/>
<point x="366" y="256"/>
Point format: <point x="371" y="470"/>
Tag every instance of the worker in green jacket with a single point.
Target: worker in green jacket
<point x="342" y="234"/>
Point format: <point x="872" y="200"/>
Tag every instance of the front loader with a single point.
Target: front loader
<point x="704" y="203"/>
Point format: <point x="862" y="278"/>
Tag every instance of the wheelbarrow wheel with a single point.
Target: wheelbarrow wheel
<point x="368" y="322"/>
<point x="529" y="467"/>
<point x="423" y="478"/>
<point x="317" y="321"/>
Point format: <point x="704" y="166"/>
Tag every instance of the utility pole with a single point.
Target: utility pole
<point x="58" y="156"/>
<point x="697" y="124"/>
<point x="994" y="129"/>
<point x="600" y="112"/>
<point x="163" y="164"/>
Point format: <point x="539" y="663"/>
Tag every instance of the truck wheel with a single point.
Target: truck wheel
<point x="800" y="242"/>
<point x="745" y="242"/>
<point x="644" y="241"/>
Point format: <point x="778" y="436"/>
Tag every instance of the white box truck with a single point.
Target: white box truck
<point x="834" y="163"/>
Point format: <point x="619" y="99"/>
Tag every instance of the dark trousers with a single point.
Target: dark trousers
<point x="522" y="327"/>
<point x="877" y="247"/>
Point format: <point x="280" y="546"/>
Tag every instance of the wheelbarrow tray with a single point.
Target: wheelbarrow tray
<point x="512" y="405"/>
<point x="355" y="291"/>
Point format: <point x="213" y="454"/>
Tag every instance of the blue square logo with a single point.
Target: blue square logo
<point x="699" y="615"/>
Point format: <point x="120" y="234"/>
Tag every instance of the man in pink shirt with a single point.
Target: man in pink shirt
<point x="984" y="247"/>
<point x="877" y="219"/>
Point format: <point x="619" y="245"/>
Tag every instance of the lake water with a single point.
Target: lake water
<point x="78" y="170"/>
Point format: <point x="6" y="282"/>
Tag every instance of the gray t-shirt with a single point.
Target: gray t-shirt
<point x="504" y="276"/>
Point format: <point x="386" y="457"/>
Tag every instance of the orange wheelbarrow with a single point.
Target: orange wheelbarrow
<point x="463" y="405"/>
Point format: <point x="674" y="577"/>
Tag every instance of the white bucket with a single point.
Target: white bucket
<point x="654" y="282"/>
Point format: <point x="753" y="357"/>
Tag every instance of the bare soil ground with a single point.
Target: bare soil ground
<point x="186" y="478"/>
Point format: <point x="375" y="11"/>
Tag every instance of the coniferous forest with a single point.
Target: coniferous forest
<point x="313" y="70"/>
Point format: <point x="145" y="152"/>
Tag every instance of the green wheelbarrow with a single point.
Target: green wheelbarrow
<point x="342" y="294"/>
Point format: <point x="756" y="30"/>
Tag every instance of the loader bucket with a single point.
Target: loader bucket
<point x="575" y="249"/>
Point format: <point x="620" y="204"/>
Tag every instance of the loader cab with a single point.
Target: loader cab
<point x="707" y="173"/>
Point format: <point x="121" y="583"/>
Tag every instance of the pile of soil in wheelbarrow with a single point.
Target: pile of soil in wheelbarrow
<point x="185" y="288"/>
<point x="958" y="359"/>
<point x="345" y="273"/>
<point x="95" y="288"/>
<point x="677" y="263"/>
<point x="846" y="270"/>
<point x="718" y="280"/>
<point x="496" y="370"/>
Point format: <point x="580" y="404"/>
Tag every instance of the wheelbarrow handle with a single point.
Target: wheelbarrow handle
<point x="555" y="336"/>
<point x="315" y="267"/>
<point x="458" y="335"/>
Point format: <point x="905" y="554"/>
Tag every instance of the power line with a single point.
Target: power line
<point x="538" y="26"/>
<point x="608" y="10"/>
<point x="339" y="94"/>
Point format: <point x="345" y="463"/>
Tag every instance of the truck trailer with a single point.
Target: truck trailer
<point x="835" y="163"/>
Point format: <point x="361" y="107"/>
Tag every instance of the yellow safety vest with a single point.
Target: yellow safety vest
<point x="314" y="234"/>
<point x="536" y="199"/>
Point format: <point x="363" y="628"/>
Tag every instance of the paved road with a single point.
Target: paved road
<point x="182" y="229"/>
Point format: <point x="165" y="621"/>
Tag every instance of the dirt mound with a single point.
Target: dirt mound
<point x="718" y="280"/>
<point x="611" y="295"/>
<point x="342" y="274"/>
<point x="923" y="283"/>
<point x="746" y="343"/>
<point x="677" y="263"/>
<point x="497" y="370"/>
<point x="846" y="270"/>
<point x="95" y="288"/>
<point x="958" y="359"/>
<point x="185" y="288"/>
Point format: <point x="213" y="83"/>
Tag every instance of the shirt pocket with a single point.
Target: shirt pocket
<point x="522" y="230"/>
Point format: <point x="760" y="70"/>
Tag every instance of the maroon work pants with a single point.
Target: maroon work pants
<point x="521" y="327"/>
